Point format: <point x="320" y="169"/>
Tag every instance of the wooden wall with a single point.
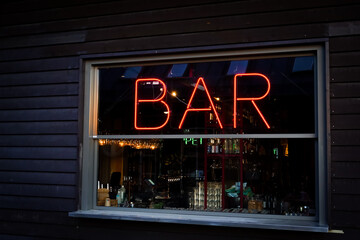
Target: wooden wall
<point x="40" y="46"/>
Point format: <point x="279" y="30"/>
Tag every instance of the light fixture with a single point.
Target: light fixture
<point x="151" y="144"/>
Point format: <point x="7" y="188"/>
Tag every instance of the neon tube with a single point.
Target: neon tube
<point x="252" y="99"/>
<point x="189" y="109"/>
<point x="160" y="99"/>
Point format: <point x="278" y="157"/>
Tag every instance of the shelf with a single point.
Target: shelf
<point x="223" y="155"/>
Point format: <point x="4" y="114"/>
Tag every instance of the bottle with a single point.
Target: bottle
<point x="211" y="118"/>
<point x="230" y="145"/>
<point x="217" y="143"/>
<point x="118" y="200"/>
<point x="264" y="202"/>
<point x="236" y="146"/>
<point x="274" y="206"/>
<point x="220" y="146"/>
<point x="226" y="146"/>
<point x="122" y="194"/>
<point x="107" y="202"/>
<point x="213" y="146"/>
<point x="268" y="203"/>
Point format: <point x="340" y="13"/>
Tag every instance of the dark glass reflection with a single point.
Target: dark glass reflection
<point x="288" y="108"/>
<point x="267" y="176"/>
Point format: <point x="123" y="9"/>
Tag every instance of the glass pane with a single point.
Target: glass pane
<point x="256" y="176"/>
<point x="272" y="95"/>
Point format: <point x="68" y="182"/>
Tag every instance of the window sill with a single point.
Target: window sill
<point x="227" y="221"/>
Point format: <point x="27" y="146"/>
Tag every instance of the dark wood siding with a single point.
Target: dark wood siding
<point x="40" y="47"/>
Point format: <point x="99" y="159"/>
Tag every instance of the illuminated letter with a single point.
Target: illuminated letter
<point x="252" y="99"/>
<point x="189" y="109"/>
<point x="160" y="99"/>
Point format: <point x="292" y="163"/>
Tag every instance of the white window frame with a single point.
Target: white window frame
<point x="89" y="146"/>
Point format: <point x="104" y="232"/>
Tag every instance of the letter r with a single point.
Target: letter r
<point x="252" y="99"/>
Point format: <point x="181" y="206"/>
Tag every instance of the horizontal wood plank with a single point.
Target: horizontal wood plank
<point x="345" y="219"/>
<point x="38" y="115"/>
<point x="345" y="105"/>
<point x="33" y="78"/>
<point x="70" y="166"/>
<point x="34" y="190"/>
<point x="40" y="102"/>
<point x="345" y="202"/>
<point x="39" y="140"/>
<point x="345" y="170"/>
<point x="343" y="59"/>
<point x="35" y="5"/>
<point x="44" y="39"/>
<point x="344" y="44"/>
<point x="34" y="216"/>
<point x="345" y="74"/>
<point x="345" y="137"/>
<point x="35" y="230"/>
<point x="345" y="186"/>
<point x="37" y="65"/>
<point x="348" y="90"/>
<point x="17" y="237"/>
<point x="38" y="153"/>
<point x="38" y="178"/>
<point x="344" y="28"/>
<point x="39" y="90"/>
<point x="350" y="121"/>
<point x="345" y="153"/>
<point x="65" y="127"/>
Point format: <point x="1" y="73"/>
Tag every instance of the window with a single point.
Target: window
<point x="230" y="134"/>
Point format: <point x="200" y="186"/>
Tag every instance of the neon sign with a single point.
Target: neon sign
<point x="159" y="99"/>
<point x="252" y="99"/>
<point x="193" y="141"/>
<point x="189" y="107"/>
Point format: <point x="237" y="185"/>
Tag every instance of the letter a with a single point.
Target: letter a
<point x="189" y="109"/>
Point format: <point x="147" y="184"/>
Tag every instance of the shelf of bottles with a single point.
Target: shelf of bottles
<point x="220" y="154"/>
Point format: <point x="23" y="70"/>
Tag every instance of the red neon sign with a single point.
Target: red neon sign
<point x="159" y="99"/>
<point x="189" y="109"/>
<point x="252" y="99"/>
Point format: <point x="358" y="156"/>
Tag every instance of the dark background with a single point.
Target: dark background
<point x="41" y="85"/>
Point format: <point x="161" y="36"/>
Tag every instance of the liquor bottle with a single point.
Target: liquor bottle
<point x="265" y="203"/>
<point x="211" y="118"/>
<point x="122" y="194"/>
<point x="213" y="146"/>
<point x="226" y="149"/>
<point x="217" y="143"/>
<point x="275" y="210"/>
<point x="268" y="203"/>
<point x="118" y="199"/>
<point x="236" y="146"/>
<point x="220" y="145"/>
<point x="230" y="146"/>
<point x="209" y="146"/>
